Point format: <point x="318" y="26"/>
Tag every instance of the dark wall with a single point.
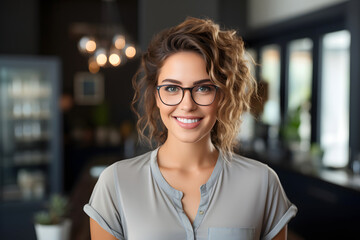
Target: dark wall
<point x="233" y="14"/>
<point x="19" y="27"/>
<point x="155" y="15"/>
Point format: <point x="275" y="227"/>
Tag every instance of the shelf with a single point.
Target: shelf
<point x="31" y="95"/>
<point x="30" y="153"/>
<point x="41" y="116"/>
<point x="15" y="195"/>
<point x="32" y="139"/>
<point x="32" y="164"/>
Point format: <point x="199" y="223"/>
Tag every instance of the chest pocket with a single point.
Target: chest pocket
<point x="231" y="233"/>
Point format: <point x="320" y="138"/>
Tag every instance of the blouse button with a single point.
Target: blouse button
<point x="201" y="212"/>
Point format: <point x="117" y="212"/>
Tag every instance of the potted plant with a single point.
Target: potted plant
<point x="52" y="223"/>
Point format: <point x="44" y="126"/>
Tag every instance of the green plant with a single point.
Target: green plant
<point x="55" y="213"/>
<point x="290" y="131"/>
<point x="316" y="150"/>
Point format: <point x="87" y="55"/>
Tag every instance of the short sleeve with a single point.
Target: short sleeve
<point x="278" y="209"/>
<point x="103" y="206"/>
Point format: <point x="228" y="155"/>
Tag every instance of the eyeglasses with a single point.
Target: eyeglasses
<point x="171" y="95"/>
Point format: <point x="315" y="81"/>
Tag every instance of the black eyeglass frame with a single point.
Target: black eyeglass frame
<point x="183" y="93"/>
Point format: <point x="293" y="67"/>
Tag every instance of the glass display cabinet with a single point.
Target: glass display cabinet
<point x="30" y="140"/>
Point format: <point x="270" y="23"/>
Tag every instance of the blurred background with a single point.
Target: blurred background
<point x="65" y="94"/>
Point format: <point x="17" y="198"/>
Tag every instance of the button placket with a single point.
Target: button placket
<point x="185" y="220"/>
<point x="204" y="202"/>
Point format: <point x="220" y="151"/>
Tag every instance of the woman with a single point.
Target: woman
<point x="195" y="85"/>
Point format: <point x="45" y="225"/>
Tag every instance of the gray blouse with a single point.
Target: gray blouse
<point x="243" y="199"/>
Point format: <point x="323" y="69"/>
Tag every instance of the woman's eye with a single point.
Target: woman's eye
<point x="203" y="89"/>
<point x="171" y="89"/>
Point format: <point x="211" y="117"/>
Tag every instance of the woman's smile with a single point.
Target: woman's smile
<point x="188" y="122"/>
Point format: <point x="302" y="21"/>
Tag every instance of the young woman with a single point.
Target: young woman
<point x="194" y="86"/>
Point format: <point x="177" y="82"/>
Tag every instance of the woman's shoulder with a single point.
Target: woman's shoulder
<point x="127" y="174"/>
<point x="237" y="160"/>
<point x="127" y="168"/>
<point x="254" y="167"/>
<point x="133" y="163"/>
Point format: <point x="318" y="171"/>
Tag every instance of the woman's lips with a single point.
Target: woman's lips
<point x="188" y="123"/>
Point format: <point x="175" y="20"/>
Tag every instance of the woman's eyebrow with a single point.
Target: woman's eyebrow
<point x="171" y="81"/>
<point x="180" y="83"/>
<point x="201" y="81"/>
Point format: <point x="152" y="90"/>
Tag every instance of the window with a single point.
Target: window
<point x="246" y="133"/>
<point x="334" y="127"/>
<point x="251" y="56"/>
<point x="299" y="90"/>
<point x="270" y="73"/>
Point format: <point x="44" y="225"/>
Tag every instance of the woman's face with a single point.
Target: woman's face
<point x="186" y="122"/>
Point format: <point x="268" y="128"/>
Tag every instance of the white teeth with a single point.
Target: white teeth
<point x="186" y="120"/>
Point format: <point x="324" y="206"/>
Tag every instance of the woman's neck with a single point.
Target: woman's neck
<point x="187" y="156"/>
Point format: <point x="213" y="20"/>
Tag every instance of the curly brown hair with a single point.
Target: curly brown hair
<point x="224" y="54"/>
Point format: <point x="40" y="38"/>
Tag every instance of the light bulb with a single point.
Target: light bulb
<point x="119" y="41"/>
<point x="90" y="46"/>
<point x="130" y="52"/>
<point x="115" y="59"/>
<point x="101" y="58"/>
<point x="93" y="66"/>
<point x="82" y="43"/>
<point x="87" y="44"/>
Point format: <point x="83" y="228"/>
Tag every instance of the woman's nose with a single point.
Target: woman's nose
<point x="187" y="102"/>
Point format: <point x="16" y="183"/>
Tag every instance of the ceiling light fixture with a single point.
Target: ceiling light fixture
<point x="106" y="44"/>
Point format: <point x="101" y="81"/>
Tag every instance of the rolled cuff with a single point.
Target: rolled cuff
<point x="290" y="213"/>
<point x="91" y="212"/>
